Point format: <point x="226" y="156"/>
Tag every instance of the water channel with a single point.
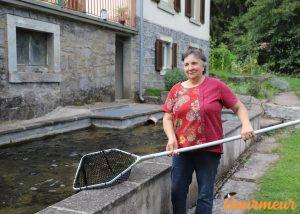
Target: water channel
<point x="39" y="173"/>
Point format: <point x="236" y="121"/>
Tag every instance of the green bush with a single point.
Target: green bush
<point x="267" y="91"/>
<point x="254" y="89"/>
<point x="221" y="58"/>
<point x="224" y="60"/>
<point x="172" y="77"/>
<point x="239" y="88"/>
<point x="249" y="67"/>
<point x="263" y="90"/>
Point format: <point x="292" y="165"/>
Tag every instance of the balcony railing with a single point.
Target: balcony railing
<point x="119" y="11"/>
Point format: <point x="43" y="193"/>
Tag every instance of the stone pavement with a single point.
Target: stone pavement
<point x="287" y="99"/>
<point x="285" y="106"/>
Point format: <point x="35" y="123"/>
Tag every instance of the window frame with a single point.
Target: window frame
<point x="167" y="41"/>
<point x="167" y="6"/>
<point x="164" y="49"/>
<point x="195" y="11"/>
<point x="49" y="73"/>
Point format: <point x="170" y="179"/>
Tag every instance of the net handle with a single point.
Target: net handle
<point x="217" y="142"/>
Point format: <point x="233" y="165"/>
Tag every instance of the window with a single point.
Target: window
<point x="31" y="47"/>
<point x="33" y="50"/>
<point x="165" y="54"/>
<point x="195" y="10"/>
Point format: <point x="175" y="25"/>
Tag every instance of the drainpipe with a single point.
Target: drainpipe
<point x="141" y="57"/>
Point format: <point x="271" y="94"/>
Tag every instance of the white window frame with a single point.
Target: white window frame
<point x="167" y="6"/>
<point x="167" y="53"/>
<point x="195" y="12"/>
<point x="51" y="73"/>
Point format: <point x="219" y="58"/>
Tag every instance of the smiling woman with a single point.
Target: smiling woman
<point x="193" y="116"/>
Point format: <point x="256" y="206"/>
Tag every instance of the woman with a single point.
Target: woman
<point x="193" y="116"/>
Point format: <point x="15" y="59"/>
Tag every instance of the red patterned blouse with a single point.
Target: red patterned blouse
<point x="197" y="112"/>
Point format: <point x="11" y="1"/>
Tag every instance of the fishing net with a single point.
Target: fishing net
<point x="104" y="168"/>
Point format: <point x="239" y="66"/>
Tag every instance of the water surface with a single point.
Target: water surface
<point x="39" y="173"/>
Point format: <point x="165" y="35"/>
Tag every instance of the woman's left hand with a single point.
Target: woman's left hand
<point x="247" y="132"/>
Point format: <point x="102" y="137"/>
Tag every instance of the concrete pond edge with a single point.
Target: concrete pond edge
<point x="148" y="187"/>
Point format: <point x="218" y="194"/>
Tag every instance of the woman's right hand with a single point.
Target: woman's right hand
<point x="171" y="146"/>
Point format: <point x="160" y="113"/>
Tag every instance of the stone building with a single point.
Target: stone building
<point x="71" y="52"/>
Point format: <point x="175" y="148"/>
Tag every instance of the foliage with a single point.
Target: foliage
<point x="249" y="66"/>
<point x="268" y="31"/>
<point x="224" y="75"/>
<point x="239" y="88"/>
<point x="172" y="77"/>
<point x="221" y="58"/>
<point x="156" y="92"/>
<point x="294" y="83"/>
<point x="263" y="90"/>
<point x="222" y="13"/>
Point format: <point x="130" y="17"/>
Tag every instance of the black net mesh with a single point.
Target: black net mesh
<point x="102" y="167"/>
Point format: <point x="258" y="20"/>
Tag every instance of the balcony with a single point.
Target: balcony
<point x="118" y="11"/>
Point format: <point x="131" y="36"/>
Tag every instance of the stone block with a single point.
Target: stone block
<point x="256" y="166"/>
<point x="284" y="112"/>
<point x="243" y="189"/>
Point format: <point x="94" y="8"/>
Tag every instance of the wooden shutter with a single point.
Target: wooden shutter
<point x="177" y="6"/>
<point x="174" y="55"/>
<point x="158" y="55"/>
<point x="202" y="11"/>
<point x="188" y="8"/>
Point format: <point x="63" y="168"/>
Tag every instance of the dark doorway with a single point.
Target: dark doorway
<point x="119" y="66"/>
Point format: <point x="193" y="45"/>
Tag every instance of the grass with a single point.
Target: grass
<point x="282" y="181"/>
<point x="294" y="82"/>
<point x="153" y="92"/>
<point x="224" y="75"/>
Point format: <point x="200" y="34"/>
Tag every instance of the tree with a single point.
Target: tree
<point x="271" y="29"/>
<point x="222" y="13"/>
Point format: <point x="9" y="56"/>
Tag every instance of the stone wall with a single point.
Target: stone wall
<point x="87" y="65"/>
<point x="152" y="78"/>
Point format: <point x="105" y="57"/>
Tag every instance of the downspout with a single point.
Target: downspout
<point x="141" y="57"/>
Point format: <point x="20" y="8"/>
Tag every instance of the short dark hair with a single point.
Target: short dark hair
<point x="198" y="53"/>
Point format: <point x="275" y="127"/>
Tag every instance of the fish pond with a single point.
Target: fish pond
<point x="39" y="173"/>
